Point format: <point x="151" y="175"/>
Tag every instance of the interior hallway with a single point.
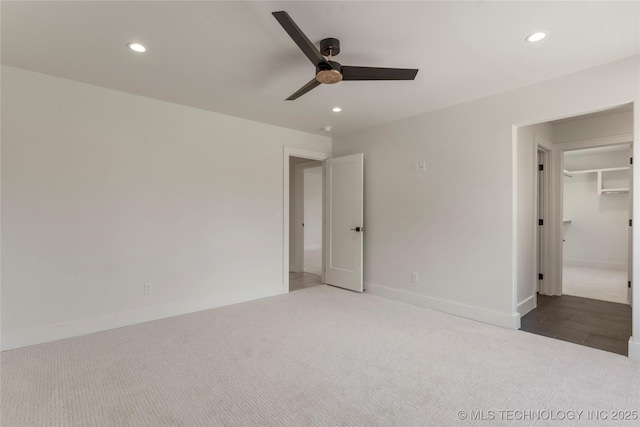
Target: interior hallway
<point x="313" y="261"/>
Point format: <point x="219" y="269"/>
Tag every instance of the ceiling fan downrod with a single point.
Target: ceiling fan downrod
<point x="333" y="74"/>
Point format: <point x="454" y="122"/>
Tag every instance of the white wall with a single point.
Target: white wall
<point x="313" y="208"/>
<point x="103" y="191"/>
<point x="456" y="224"/>
<point x="593" y="127"/>
<point x="598" y="233"/>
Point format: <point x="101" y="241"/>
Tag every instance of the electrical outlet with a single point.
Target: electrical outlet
<point x="148" y="288"/>
<point x="422" y="166"/>
<point x="414" y="277"/>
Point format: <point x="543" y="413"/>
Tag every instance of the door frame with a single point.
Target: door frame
<point x="543" y="210"/>
<point x="289" y="152"/>
<point x="630" y="233"/>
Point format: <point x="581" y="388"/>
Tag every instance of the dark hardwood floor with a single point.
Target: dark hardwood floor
<point x="594" y="323"/>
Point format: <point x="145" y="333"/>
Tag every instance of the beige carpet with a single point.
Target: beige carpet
<point x="319" y="356"/>
<point x="595" y="283"/>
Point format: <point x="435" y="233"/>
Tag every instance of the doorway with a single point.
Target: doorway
<point x="306" y="231"/>
<point x="312" y="220"/>
<point x="290" y="262"/>
<point x="596" y="204"/>
<point x="342" y="219"/>
<point x="583" y="236"/>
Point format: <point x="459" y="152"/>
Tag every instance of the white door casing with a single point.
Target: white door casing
<point x="630" y="238"/>
<point x="344" y="222"/>
<point x="541" y="199"/>
<point x="547" y="249"/>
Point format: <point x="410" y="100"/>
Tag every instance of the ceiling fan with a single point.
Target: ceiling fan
<point x="329" y="71"/>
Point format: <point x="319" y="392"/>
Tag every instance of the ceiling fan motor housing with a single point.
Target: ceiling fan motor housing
<point x="329" y="75"/>
<point x="330" y="47"/>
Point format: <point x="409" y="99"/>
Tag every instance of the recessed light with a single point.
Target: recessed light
<point x="136" y="47"/>
<point x="336" y="109"/>
<point x="536" y="37"/>
<point x="326" y="128"/>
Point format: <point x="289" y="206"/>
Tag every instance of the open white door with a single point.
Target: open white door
<point x="540" y="231"/>
<point x="344" y="227"/>
<point x="630" y="263"/>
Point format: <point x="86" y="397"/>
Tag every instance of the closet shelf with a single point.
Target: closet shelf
<point x="599" y="173"/>
<point x="623" y="168"/>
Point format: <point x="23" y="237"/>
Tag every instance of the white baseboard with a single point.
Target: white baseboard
<point x="595" y="264"/>
<point x="504" y="320"/>
<point x="527" y="305"/>
<point x="54" y="332"/>
<point x="634" y="350"/>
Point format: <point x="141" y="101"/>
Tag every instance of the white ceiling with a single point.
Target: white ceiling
<point x="234" y="58"/>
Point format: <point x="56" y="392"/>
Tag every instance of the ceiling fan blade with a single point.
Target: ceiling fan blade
<point x="304" y="89"/>
<point x="299" y="38"/>
<point x="374" y="73"/>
